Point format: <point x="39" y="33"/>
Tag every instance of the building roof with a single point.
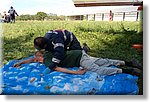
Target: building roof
<point x="86" y="3"/>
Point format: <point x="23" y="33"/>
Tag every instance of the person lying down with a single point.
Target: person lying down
<point x="85" y="62"/>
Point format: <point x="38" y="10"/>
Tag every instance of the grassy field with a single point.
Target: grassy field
<point x="106" y="39"/>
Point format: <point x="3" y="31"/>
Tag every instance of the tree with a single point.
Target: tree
<point x="23" y="17"/>
<point x="41" y="15"/>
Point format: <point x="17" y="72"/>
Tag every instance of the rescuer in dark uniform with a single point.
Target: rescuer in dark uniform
<point x="57" y="42"/>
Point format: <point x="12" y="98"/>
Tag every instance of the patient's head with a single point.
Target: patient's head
<point x="39" y="56"/>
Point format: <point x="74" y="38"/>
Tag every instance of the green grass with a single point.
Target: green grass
<point x="106" y="39"/>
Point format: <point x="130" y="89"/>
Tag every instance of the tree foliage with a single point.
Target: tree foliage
<point x="26" y="17"/>
<point x="40" y="16"/>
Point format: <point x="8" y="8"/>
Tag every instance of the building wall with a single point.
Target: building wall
<point x="117" y="16"/>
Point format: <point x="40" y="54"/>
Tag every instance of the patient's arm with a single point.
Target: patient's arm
<point x="81" y="71"/>
<point x="24" y="62"/>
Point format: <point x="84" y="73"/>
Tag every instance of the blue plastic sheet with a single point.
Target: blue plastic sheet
<point x="20" y="81"/>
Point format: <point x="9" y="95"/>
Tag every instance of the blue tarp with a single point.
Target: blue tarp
<point x="28" y="80"/>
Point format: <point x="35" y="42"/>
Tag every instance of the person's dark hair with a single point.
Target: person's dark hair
<point x="11" y="7"/>
<point x="40" y="42"/>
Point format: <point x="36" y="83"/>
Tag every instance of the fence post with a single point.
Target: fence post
<point x="102" y="16"/>
<point x="112" y="16"/>
<point x="123" y="16"/>
<point x="94" y="17"/>
<point x="87" y="17"/>
<point x="137" y="16"/>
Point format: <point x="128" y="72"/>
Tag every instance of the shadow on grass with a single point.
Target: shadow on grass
<point x="17" y="47"/>
<point x="121" y="49"/>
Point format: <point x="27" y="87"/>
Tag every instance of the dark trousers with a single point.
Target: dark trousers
<point x="12" y="18"/>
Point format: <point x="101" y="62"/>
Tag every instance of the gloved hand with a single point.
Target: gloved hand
<point x="47" y="71"/>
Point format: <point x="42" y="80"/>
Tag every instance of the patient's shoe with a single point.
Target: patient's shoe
<point x="136" y="64"/>
<point x="85" y="47"/>
<point x="132" y="71"/>
<point x="137" y="72"/>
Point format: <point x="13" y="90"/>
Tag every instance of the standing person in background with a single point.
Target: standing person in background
<point x="110" y="16"/>
<point x="12" y="13"/>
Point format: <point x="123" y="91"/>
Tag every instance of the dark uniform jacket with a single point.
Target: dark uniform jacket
<point x="58" y="42"/>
